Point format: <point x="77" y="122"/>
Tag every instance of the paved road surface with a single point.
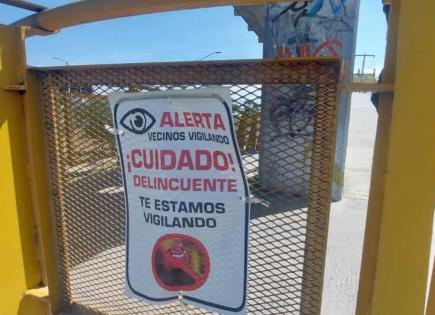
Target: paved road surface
<point x="348" y="216"/>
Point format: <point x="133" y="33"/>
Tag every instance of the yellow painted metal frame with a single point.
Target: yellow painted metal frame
<point x="28" y="265"/>
<point x="20" y="268"/>
<point x="400" y="215"/>
<point x="399" y="223"/>
<point x="79" y="12"/>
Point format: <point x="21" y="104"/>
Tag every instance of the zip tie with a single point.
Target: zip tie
<point x="114" y="131"/>
<point x="184" y="308"/>
<point x="250" y="199"/>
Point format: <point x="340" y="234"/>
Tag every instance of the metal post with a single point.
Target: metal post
<point x="41" y="194"/>
<point x="399" y="223"/>
<point x="364" y="63"/>
<point x="374" y="214"/>
<point x="362" y="75"/>
<point x="20" y="269"/>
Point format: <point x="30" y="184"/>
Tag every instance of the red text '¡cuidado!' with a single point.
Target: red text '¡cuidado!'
<point x="167" y="160"/>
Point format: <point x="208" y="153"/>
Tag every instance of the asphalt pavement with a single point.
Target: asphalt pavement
<point x="347" y="221"/>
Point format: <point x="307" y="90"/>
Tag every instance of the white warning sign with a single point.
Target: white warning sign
<point x="186" y="198"/>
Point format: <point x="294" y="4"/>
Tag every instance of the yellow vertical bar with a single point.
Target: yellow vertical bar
<point x="19" y="267"/>
<point x="379" y="170"/>
<point x="321" y="176"/>
<point x="404" y="196"/>
<point x="42" y="213"/>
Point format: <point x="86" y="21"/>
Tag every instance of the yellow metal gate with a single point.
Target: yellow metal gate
<point x="285" y="115"/>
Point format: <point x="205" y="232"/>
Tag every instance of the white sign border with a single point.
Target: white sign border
<point x="122" y="97"/>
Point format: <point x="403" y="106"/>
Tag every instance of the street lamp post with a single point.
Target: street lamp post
<point x="62" y="60"/>
<point x="210" y="54"/>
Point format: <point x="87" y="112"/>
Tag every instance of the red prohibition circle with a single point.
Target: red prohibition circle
<point x="180" y="262"/>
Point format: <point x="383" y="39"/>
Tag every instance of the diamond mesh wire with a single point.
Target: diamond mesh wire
<point x="284" y="113"/>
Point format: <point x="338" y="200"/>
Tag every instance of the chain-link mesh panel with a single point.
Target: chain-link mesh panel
<point x="284" y="113"/>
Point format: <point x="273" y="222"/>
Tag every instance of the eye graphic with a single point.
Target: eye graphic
<point x="138" y="121"/>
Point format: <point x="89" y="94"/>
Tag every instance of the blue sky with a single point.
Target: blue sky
<point x="183" y="35"/>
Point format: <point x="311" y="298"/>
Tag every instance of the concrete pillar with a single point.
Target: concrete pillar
<point x="303" y="29"/>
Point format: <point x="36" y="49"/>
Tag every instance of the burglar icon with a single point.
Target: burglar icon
<point x="180" y="262"/>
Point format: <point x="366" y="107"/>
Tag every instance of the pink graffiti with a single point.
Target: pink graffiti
<point x="284" y="53"/>
<point x="305" y="50"/>
<point x="329" y="45"/>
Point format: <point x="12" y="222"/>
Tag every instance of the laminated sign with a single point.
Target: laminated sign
<point x="186" y="198"/>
